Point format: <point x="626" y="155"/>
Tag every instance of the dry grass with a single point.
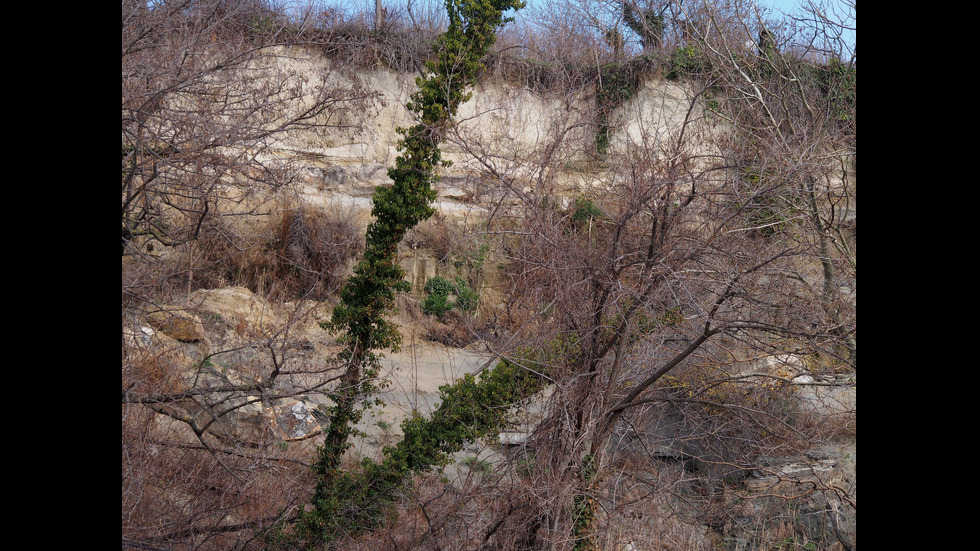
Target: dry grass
<point x="300" y="252"/>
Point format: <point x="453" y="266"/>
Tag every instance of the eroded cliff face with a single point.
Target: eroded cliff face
<point x="507" y="134"/>
<point x="510" y="139"/>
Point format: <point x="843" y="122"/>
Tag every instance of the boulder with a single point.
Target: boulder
<point x="177" y="324"/>
<point x="292" y="420"/>
<point x="512" y="438"/>
<point x="248" y="313"/>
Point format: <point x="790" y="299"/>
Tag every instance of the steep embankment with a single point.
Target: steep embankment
<point x="510" y="139"/>
<point x="508" y="128"/>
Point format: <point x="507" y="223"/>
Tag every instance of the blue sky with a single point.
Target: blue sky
<point x="840" y="7"/>
<point x="839" y="10"/>
<point x="782" y="6"/>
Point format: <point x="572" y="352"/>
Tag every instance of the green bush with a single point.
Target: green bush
<point x="585" y="211"/>
<point x="436" y="305"/>
<point x="439" y="286"/>
<point x="438" y="291"/>
<point x="685" y="60"/>
<point x="466" y="298"/>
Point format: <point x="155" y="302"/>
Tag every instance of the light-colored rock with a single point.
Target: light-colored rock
<point x="177" y="324"/>
<point x="161" y="358"/>
<point x="292" y="420"/>
<point x="512" y="438"/>
<point x="250" y="314"/>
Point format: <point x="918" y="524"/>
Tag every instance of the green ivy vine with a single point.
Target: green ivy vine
<point x="352" y="502"/>
<point x="617" y="83"/>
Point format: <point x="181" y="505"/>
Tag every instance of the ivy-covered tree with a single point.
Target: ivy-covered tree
<point x="647" y="23"/>
<point x="346" y="502"/>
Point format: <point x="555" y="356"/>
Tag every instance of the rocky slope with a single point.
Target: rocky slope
<point x="219" y="333"/>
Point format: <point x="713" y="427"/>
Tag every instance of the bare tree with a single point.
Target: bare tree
<point x="204" y="99"/>
<point x="650" y="302"/>
<point x="209" y="92"/>
<point x="795" y="102"/>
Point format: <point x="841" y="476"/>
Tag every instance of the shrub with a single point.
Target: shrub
<point x="685" y="60"/>
<point x="438" y="291"/>
<point x="439" y="286"/>
<point x="436" y="304"/>
<point x="312" y="252"/>
<point x="305" y="253"/>
<point x="466" y="298"/>
<point x="584" y="211"/>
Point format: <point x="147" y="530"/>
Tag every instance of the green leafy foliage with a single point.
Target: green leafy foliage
<point x="437" y="304"/>
<point x="438" y="292"/>
<point x="617" y="83"/>
<point x="584" y="211"/>
<point x="348" y="503"/>
<point x="648" y="24"/>
<point x="439" y="286"/>
<point x="838" y="81"/>
<point x="466" y="298"/>
<point x="684" y="61"/>
<point x="471" y="408"/>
